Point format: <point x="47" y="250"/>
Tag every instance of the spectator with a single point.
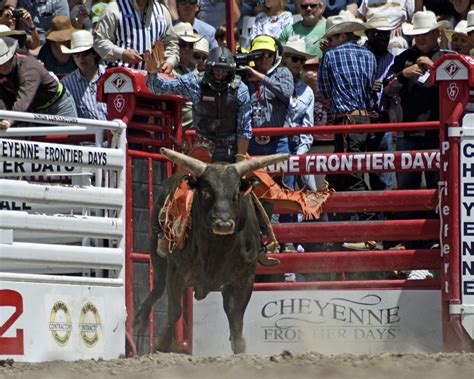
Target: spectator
<point x="272" y="21"/>
<point x="420" y="101"/>
<point x="459" y="39"/>
<point x="221" y="36"/>
<point x="26" y="86"/>
<point x="20" y="20"/>
<point x="212" y="12"/>
<point x="461" y="9"/>
<point x="200" y="54"/>
<point x="271" y="88"/>
<point x="394" y="10"/>
<point x="333" y="7"/>
<point x="51" y="54"/>
<point x="302" y="100"/>
<point x="187" y="10"/>
<point x="43" y="12"/>
<point x="80" y="14"/>
<point x="221" y="103"/>
<point x="128" y="28"/>
<point x="82" y="82"/>
<point x="346" y="76"/>
<point x="311" y="26"/>
<point x="186" y="40"/>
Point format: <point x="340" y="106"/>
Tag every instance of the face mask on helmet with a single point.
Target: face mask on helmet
<point x="220" y="68"/>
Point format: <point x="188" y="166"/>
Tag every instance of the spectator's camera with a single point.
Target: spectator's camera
<point x="17" y="13"/>
<point x="245" y="59"/>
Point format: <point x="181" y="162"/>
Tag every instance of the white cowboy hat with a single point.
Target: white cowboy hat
<point x="184" y="31"/>
<point x="461" y="28"/>
<point x="344" y="22"/>
<point x="6" y="52"/>
<point x="81" y="40"/>
<point x="296" y="46"/>
<point x="423" y="22"/>
<point x="202" y="46"/>
<point x="470" y="22"/>
<point x="382" y="22"/>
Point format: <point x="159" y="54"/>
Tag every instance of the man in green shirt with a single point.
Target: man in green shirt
<point x="312" y="26"/>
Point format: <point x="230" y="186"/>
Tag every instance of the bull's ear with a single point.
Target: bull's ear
<point x="191" y="181"/>
<point x="246" y="183"/>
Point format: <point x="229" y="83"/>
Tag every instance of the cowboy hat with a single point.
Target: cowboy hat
<point x="423" y="22"/>
<point x="6" y="52"/>
<point x="296" y="46"/>
<point x="61" y="29"/>
<point x="202" y="46"/>
<point x="461" y="28"/>
<point x="382" y="22"/>
<point x="184" y="31"/>
<point x="344" y="22"/>
<point x="81" y="40"/>
<point x="470" y="22"/>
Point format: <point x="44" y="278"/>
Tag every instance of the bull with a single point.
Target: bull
<point x="221" y="248"/>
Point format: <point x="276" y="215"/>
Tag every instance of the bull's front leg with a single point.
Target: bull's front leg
<point x="235" y="302"/>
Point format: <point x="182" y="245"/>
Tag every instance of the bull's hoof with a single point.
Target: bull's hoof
<point x="238" y="345"/>
<point x="265" y="260"/>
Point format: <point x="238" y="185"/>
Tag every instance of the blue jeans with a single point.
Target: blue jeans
<point x="381" y="142"/>
<point x="65" y="106"/>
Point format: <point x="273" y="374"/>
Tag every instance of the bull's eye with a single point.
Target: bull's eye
<point x="206" y="194"/>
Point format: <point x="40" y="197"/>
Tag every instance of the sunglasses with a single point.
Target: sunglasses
<point x="308" y="6"/>
<point x="296" y="59"/>
<point x="265" y="55"/>
<point x="83" y="53"/>
<point x="186" y="45"/>
<point x="199" y="57"/>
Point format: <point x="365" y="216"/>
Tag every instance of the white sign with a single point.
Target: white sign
<point x="451" y="70"/>
<point x="328" y="322"/>
<point x="466" y="214"/>
<point x="49" y="322"/>
<point x="118" y="83"/>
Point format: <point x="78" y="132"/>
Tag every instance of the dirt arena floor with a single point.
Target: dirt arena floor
<point x="283" y="366"/>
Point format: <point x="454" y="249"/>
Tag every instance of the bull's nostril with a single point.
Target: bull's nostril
<point x="223" y="227"/>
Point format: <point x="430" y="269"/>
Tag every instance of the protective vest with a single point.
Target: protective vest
<point x="215" y="116"/>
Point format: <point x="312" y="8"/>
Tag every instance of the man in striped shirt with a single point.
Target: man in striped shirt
<point x="82" y="82"/>
<point x="346" y="77"/>
<point x="129" y="27"/>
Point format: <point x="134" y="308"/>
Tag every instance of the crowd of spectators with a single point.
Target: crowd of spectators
<point x="320" y="62"/>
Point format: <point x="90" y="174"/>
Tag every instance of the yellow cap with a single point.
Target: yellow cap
<point x="264" y="43"/>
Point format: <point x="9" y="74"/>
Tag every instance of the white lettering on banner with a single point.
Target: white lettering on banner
<point x="367" y="320"/>
<point x="466" y="189"/>
<point x="69" y="154"/>
<point x="425" y="160"/>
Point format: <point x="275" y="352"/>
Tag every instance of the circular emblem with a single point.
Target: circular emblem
<point x="60" y="323"/>
<point x="89" y="322"/>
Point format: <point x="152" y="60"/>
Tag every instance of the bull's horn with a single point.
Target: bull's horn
<point x="244" y="167"/>
<point x="195" y="166"/>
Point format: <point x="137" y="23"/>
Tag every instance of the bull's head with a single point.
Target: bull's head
<point x="219" y="186"/>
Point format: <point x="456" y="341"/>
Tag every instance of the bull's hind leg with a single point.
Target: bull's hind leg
<point x="174" y="290"/>
<point x="235" y="303"/>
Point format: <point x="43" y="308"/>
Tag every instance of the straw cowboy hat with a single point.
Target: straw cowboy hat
<point x="296" y="46"/>
<point x="423" y="22"/>
<point x="470" y="22"/>
<point x="61" y="29"/>
<point x="382" y="22"/>
<point x="19" y="35"/>
<point x="184" y="31"/>
<point x="81" y="40"/>
<point x="6" y="52"/>
<point x="344" y="22"/>
<point x="202" y="46"/>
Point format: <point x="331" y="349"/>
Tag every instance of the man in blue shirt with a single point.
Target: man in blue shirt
<point x="346" y="77"/>
<point x="221" y="102"/>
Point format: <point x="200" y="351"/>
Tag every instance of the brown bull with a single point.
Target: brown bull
<point x="221" y="248"/>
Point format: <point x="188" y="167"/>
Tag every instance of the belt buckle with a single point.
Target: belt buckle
<point x="262" y="140"/>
